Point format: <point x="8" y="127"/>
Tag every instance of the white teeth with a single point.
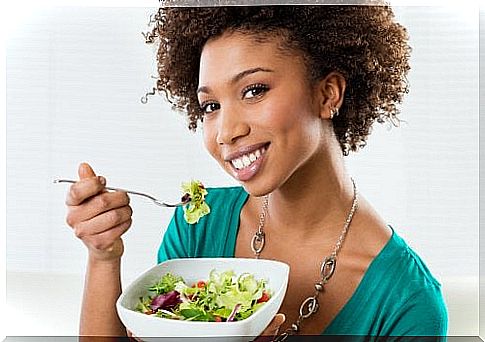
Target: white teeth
<point x="238" y="164"/>
<point x="247" y="159"/>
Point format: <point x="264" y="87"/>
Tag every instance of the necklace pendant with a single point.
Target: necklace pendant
<point x="328" y="268"/>
<point x="309" y="307"/>
<point x="257" y="243"/>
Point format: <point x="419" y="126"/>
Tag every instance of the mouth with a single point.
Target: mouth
<point x="246" y="164"/>
<point x="247" y="159"/>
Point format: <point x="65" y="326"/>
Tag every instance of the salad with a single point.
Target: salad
<point x="194" y="195"/>
<point x="224" y="297"/>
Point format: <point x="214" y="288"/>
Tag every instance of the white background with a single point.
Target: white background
<point x="74" y="79"/>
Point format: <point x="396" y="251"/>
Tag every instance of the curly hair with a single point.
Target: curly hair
<point x="363" y="43"/>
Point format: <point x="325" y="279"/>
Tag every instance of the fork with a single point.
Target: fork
<point x="158" y="202"/>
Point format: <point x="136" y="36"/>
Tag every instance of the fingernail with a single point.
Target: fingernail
<point x="102" y="180"/>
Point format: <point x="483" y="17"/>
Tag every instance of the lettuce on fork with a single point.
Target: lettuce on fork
<point x="194" y="192"/>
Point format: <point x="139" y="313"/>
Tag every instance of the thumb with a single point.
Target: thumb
<point x="278" y="320"/>
<point x="85" y="171"/>
<point x="273" y="327"/>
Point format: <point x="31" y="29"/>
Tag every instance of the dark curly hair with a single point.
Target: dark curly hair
<point x="363" y="43"/>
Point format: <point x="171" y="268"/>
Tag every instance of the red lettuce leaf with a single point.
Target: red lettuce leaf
<point x="166" y="301"/>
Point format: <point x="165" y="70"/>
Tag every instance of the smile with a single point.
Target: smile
<point x="248" y="159"/>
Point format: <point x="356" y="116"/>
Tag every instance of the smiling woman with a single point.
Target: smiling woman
<point x="283" y="93"/>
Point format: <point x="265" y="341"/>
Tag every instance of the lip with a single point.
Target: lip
<point x="249" y="172"/>
<point x="244" y="150"/>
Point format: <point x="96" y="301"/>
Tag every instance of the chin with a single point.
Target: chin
<point x="257" y="190"/>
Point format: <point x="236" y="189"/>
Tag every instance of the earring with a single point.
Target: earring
<point x="333" y="112"/>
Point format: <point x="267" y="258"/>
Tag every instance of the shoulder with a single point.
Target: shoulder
<point x="399" y="264"/>
<point x="225" y="195"/>
<point x="409" y="262"/>
<point x="413" y="300"/>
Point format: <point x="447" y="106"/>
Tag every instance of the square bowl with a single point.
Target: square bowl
<point x="192" y="270"/>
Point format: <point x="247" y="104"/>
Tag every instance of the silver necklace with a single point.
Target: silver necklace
<point x="310" y="305"/>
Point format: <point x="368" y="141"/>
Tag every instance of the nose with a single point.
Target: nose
<point x="231" y="126"/>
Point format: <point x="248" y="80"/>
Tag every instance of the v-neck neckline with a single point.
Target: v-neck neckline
<point x="363" y="282"/>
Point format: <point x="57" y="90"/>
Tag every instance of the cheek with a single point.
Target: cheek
<point x="289" y="118"/>
<point x="297" y="126"/>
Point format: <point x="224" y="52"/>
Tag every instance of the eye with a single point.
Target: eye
<point x="209" y="107"/>
<point x="254" y="90"/>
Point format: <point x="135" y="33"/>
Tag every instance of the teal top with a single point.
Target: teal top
<point x="398" y="296"/>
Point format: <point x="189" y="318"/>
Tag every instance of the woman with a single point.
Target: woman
<point x="282" y="93"/>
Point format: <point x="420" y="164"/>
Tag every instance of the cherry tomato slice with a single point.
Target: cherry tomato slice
<point x="264" y="298"/>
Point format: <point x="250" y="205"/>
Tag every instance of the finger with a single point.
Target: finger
<point x="106" y="239"/>
<point x="131" y="336"/>
<point x="103" y="222"/>
<point x="85" y="171"/>
<point x="274" y="326"/>
<point x="83" y="189"/>
<point x="96" y="205"/>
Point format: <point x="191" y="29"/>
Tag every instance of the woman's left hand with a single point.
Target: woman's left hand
<point x="272" y="329"/>
<point x="132" y="337"/>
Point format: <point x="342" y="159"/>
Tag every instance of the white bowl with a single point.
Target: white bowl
<point x="193" y="270"/>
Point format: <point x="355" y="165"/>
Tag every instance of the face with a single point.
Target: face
<point x="262" y="119"/>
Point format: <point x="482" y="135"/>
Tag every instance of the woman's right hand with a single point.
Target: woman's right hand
<point x="98" y="217"/>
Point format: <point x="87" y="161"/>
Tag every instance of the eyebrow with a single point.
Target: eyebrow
<point x="237" y="77"/>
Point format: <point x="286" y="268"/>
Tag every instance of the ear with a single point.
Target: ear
<point x="331" y="90"/>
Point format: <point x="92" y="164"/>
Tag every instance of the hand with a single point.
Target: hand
<point x="272" y="329"/>
<point x="132" y="337"/>
<point x="98" y="217"/>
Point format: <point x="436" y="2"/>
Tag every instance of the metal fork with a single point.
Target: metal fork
<point x="153" y="199"/>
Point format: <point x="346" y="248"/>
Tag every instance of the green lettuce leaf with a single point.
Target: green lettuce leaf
<point x="196" y="208"/>
<point x="166" y="284"/>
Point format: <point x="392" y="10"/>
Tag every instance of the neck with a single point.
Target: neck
<point x="316" y="201"/>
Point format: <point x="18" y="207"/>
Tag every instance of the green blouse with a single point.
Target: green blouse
<point x="398" y="296"/>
